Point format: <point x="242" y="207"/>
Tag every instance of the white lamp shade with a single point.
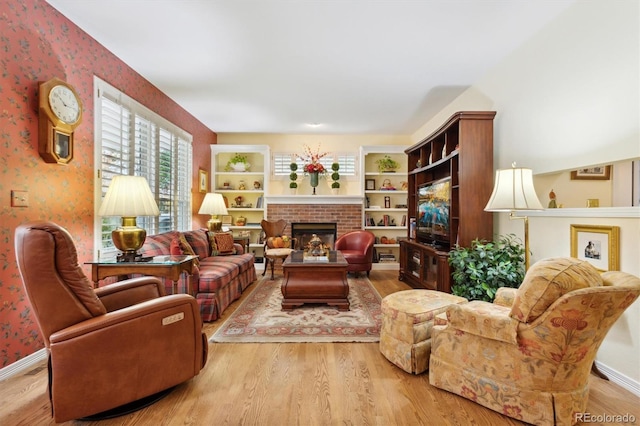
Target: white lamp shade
<point x="213" y="204"/>
<point x="129" y="196"/>
<point x="513" y="190"/>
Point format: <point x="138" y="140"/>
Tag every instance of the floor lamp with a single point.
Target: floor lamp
<point x="512" y="191"/>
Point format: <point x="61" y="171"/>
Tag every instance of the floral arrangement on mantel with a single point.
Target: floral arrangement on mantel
<point x="311" y="160"/>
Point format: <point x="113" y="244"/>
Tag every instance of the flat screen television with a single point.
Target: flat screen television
<point x="432" y="216"/>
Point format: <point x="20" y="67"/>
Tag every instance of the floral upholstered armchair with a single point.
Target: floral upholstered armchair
<point x="528" y="355"/>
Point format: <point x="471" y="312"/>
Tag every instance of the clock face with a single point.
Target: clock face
<point x="64" y="104"/>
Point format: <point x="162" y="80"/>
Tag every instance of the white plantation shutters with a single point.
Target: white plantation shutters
<point x="132" y="140"/>
<point x="282" y="161"/>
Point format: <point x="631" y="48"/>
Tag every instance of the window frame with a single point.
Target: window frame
<point x="280" y="172"/>
<point x="142" y="159"/>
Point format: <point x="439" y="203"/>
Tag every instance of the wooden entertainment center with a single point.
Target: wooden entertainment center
<point x="460" y="155"/>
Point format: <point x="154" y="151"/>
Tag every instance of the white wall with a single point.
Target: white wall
<point x="569" y="98"/>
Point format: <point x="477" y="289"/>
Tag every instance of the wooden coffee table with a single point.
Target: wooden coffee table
<point x="315" y="282"/>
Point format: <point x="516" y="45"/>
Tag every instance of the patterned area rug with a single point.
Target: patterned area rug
<point x="260" y="318"/>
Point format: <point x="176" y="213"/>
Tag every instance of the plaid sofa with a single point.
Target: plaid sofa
<point x="217" y="281"/>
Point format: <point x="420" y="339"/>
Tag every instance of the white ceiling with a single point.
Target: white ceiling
<point x="275" y="66"/>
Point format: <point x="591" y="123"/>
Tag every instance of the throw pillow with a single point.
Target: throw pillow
<point x="175" y="248"/>
<point x="186" y="249"/>
<point x="222" y="244"/>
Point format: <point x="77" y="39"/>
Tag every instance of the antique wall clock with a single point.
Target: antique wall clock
<point x="59" y="114"/>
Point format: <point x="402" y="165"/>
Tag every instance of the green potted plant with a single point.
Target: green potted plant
<point x="387" y="164"/>
<point x="479" y="270"/>
<point x="293" y="176"/>
<point x="238" y="163"/>
<point x="335" y="177"/>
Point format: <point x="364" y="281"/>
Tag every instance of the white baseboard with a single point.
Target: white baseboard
<point x="23" y="364"/>
<point x="620" y="379"/>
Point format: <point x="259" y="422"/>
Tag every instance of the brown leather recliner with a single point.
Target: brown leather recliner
<point x="109" y="346"/>
<point x="357" y="249"/>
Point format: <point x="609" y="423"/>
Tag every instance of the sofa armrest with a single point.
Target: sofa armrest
<point x="485" y="320"/>
<point x="239" y="248"/>
<point x="129" y="292"/>
<point x="505" y="296"/>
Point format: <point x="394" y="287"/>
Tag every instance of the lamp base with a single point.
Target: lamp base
<point x="129" y="257"/>
<point x="128" y="238"/>
<point x="214" y="225"/>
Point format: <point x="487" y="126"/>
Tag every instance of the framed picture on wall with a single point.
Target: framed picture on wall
<point x="598" y="245"/>
<point x="203" y="179"/>
<point x="227" y="219"/>
<point x="592" y="173"/>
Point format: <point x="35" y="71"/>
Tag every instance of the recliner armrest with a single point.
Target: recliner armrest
<point x="505" y="296"/>
<point x="484" y="319"/>
<point x="126" y="316"/>
<point x="129" y="292"/>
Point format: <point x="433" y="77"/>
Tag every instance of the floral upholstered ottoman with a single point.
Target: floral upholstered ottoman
<point x="407" y="319"/>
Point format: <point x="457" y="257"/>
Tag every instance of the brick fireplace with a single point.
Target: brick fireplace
<point x="345" y="211"/>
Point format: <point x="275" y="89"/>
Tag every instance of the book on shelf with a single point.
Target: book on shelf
<point x="259" y="202"/>
<point x="386" y="257"/>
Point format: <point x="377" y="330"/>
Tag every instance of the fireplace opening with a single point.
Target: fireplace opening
<point x="302" y="232"/>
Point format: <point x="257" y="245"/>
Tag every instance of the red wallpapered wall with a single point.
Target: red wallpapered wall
<point x="36" y="44"/>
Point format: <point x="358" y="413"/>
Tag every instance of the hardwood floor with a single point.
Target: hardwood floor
<point x="298" y="384"/>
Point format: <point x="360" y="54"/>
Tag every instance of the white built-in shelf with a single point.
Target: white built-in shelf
<point x="385" y="210"/>
<point x="240" y="228"/>
<point x="385" y="191"/>
<point x="238" y="209"/>
<point x="250" y="172"/>
<point x="243" y="191"/>
<point x="393" y="228"/>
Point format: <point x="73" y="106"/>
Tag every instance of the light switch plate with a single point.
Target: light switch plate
<point x="19" y="199"/>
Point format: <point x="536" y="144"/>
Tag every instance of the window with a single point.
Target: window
<point x="282" y="160"/>
<point x="132" y="140"/>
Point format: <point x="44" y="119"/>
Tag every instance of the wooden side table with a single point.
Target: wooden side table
<point x="160" y="266"/>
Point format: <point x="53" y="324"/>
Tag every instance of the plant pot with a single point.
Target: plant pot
<point x="293" y="191"/>
<point x="240" y="167"/>
<point x="335" y="191"/>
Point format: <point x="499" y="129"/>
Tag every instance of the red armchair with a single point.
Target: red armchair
<point x="357" y="248"/>
<point x="110" y="346"/>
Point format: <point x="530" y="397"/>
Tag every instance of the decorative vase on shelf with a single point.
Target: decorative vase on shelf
<point x="313" y="181"/>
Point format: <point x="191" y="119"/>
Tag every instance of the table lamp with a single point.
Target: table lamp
<point x="513" y="190"/>
<point x="128" y="197"/>
<point x="214" y="205"/>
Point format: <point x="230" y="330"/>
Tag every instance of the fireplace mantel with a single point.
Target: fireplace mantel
<point x="314" y="199"/>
